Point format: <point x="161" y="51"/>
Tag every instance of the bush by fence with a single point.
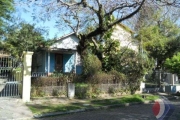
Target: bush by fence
<point x="95" y="90"/>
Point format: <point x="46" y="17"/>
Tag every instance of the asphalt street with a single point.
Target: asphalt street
<point x="134" y="112"/>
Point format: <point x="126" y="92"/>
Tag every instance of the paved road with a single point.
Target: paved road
<point x="134" y="112"/>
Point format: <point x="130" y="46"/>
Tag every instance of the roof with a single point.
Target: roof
<point x="120" y="24"/>
<point x="67" y="35"/>
<point x="126" y="28"/>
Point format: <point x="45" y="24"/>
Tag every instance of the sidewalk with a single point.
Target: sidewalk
<point x="14" y="109"/>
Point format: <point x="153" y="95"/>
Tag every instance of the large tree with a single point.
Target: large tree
<point x="24" y="37"/>
<point x="78" y="15"/>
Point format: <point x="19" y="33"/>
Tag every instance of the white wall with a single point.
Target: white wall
<point x="69" y="42"/>
<point x="124" y="37"/>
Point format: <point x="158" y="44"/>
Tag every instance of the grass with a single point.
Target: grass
<point x="51" y="107"/>
<point x="40" y="109"/>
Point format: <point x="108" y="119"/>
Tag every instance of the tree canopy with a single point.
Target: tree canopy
<point x="160" y="40"/>
<point x="78" y="15"/>
<point x="173" y="64"/>
<point x="22" y="38"/>
<point x="6" y="7"/>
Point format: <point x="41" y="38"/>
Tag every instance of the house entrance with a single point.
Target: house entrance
<point x="58" y="62"/>
<point x="10" y="77"/>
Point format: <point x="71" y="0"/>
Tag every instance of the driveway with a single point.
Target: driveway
<point x="14" y="109"/>
<point x="134" y="112"/>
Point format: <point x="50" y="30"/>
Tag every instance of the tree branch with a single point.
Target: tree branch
<point x="127" y="16"/>
<point x="121" y="7"/>
<point x="101" y="29"/>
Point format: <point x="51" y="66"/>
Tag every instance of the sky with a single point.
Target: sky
<point x="50" y="25"/>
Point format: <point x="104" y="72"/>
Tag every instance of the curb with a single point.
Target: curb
<point x="90" y="109"/>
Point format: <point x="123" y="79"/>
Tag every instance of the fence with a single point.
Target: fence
<point x="10" y="76"/>
<point x="39" y="74"/>
<point x="61" y="90"/>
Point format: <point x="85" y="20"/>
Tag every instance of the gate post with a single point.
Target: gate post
<point x="27" y="62"/>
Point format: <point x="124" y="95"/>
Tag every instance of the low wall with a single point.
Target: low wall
<point x="80" y="91"/>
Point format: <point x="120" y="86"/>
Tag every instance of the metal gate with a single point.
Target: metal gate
<point x="10" y="77"/>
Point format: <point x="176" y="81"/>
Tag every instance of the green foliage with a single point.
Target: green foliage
<point x="6" y="8"/>
<point x="111" y="90"/>
<point x="134" y="65"/>
<point x="91" y="65"/>
<point x="130" y="62"/>
<point x="22" y="38"/>
<point x="105" y="47"/>
<point x="112" y="77"/>
<point x="55" y="92"/>
<point x="49" y="81"/>
<point x="37" y="92"/>
<point x="173" y="64"/>
<point x="87" y="91"/>
<point x="118" y="77"/>
<point x="161" y="40"/>
<point x="109" y="49"/>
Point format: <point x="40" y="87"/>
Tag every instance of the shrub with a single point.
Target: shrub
<point x="118" y="76"/>
<point x="100" y="78"/>
<point x="37" y="92"/>
<point x="81" y="90"/>
<point x="87" y="91"/>
<point x="104" y="78"/>
<point x="91" y="65"/>
<point x="49" y="81"/>
<point x="111" y="90"/>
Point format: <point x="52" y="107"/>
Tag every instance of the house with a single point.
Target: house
<point x="62" y="56"/>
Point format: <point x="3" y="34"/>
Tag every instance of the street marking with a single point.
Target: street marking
<point x="163" y="109"/>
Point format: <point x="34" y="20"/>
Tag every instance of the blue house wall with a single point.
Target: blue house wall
<point x="78" y="69"/>
<point x="52" y="62"/>
<point x="68" y="63"/>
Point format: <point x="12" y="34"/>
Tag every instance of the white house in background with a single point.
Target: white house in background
<point x="124" y="35"/>
<point x="63" y="56"/>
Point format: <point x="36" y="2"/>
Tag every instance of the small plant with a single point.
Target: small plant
<point x="111" y="90"/>
<point x="37" y="92"/>
<point x="55" y="92"/>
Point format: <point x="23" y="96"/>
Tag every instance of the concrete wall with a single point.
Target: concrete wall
<point x="52" y="62"/>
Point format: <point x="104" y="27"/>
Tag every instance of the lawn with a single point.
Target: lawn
<point x="47" y="107"/>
